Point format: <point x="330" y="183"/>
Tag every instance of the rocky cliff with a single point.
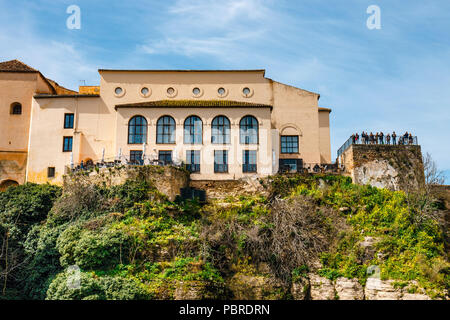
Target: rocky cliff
<point x="385" y="166"/>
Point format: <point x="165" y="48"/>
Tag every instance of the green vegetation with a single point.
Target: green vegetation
<point x="131" y="242"/>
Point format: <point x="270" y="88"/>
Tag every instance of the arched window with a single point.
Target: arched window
<point x="165" y="130"/>
<point x="220" y="130"/>
<point x="137" y="130"/>
<point x="248" y="128"/>
<point x="193" y="130"/>
<point x="16" y="108"/>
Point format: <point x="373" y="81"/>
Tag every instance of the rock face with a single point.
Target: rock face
<point x="385" y="166"/>
<point x="349" y="289"/>
<point x="246" y="287"/>
<point x="321" y="288"/>
<point x="377" y="289"/>
<point x="223" y="189"/>
<point x="300" y="289"/>
<point x="377" y="173"/>
<point x="316" y="287"/>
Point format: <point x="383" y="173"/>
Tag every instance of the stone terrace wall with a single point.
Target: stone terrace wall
<point x="221" y="189"/>
<point x="385" y="166"/>
<point x="168" y="180"/>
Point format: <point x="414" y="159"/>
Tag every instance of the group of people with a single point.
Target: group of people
<point x="380" y="138"/>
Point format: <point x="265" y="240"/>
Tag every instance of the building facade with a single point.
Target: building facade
<point x="221" y="124"/>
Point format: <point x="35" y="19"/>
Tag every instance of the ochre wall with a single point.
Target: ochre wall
<point x="14" y="128"/>
<point x="99" y="126"/>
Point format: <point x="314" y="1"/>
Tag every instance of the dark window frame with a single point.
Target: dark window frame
<point x="69" y="138"/>
<point x="71" y="121"/>
<point x="290" y="144"/>
<point x="16" y="108"/>
<point x="245" y="135"/>
<point x="51" y="172"/>
<point x="136" y="130"/>
<point x="168" y="130"/>
<point x="221" y="167"/>
<point x="165" y="152"/>
<point x="249" y="161"/>
<point x="136" y="156"/>
<point x="192" y="165"/>
<point x="221" y="130"/>
<point x="189" y="125"/>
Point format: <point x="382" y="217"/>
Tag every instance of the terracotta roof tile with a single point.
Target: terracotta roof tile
<point x="15" y="66"/>
<point x="193" y="103"/>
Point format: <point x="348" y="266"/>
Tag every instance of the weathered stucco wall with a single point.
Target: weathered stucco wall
<point x="385" y="166"/>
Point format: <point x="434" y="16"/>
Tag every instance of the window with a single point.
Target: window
<point x="246" y="91"/>
<point x="220" y="130"/>
<point x="165" y="157"/>
<point x="170" y="91"/>
<point x="291" y="165"/>
<point x="67" y="144"/>
<point x="221" y="91"/>
<point x="193" y="130"/>
<point x="119" y="92"/>
<point x="289" y="144"/>
<point x="68" y="120"/>
<point x="193" y="161"/>
<point x="137" y="130"/>
<point x="16" y="108"/>
<point x="221" y="161"/>
<point x="165" y="130"/>
<point x="50" y="172"/>
<point x="136" y="157"/>
<point x="249" y="161"/>
<point x="196" y="91"/>
<point x="145" y="91"/>
<point x="248" y="130"/>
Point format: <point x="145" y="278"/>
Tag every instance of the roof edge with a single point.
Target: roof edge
<point x="54" y="96"/>
<point x="181" y="71"/>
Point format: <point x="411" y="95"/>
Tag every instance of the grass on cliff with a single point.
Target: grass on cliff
<point x="131" y="242"/>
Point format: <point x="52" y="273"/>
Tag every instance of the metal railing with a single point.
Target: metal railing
<point x="312" y="168"/>
<point x="119" y="162"/>
<point x="398" y="141"/>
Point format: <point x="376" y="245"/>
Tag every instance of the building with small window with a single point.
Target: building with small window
<point x="18" y="84"/>
<point x="221" y="125"/>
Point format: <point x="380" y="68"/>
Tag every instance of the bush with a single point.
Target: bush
<point x="93" y="287"/>
<point x="91" y="250"/>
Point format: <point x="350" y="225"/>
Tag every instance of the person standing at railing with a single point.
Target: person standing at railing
<point x="82" y="165"/>
<point x="377" y="137"/>
<point x="411" y="140"/>
<point x="371" y="138"/>
<point x="394" y="138"/>
<point x="357" y="138"/>
<point x="388" y="139"/>
<point x="381" y="137"/>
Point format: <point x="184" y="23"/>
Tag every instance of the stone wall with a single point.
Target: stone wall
<point x="316" y="287"/>
<point x="385" y="166"/>
<point x="221" y="189"/>
<point x="168" y="180"/>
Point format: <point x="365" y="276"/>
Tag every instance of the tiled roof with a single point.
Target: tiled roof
<point x="15" y="66"/>
<point x="194" y="103"/>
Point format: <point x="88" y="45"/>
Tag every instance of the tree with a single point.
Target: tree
<point x="433" y="176"/>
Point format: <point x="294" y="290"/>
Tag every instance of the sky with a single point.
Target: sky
<point x="393" y="78"/>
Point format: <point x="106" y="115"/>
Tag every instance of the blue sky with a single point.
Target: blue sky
<point x="396" y="78"/>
